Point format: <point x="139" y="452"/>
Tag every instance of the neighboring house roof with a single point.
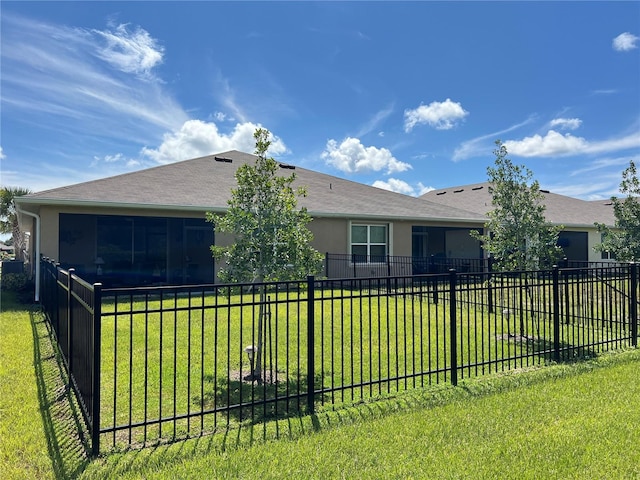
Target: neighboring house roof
<point x="205" y="184"/>
<point x="6" y="248"/>
<point x="560" y="209"/>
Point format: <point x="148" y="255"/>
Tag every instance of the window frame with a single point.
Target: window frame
<point x="368" y="243"/>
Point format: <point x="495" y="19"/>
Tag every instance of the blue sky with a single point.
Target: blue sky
<point x="404" y="96"/>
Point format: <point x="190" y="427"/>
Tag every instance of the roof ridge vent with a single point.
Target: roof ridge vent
<point x="223" y="159"/>
<point x="441" y="193"/>
<point x="478" y="188"/>
<point x="544" y="191"/>
<point x="287" y="166"/>
<point x="458" y="191"/>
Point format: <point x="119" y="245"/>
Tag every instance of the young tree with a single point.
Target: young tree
<point x="517" y="233"/>
<point x="271" y="239"/>
<point x="9" y="218"/>
<point x="623" y="240"/>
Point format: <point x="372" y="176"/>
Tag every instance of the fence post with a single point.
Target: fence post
<point x="310" y="344"/>
<point x="556" y="313"/>
<point x="71" y="271"/>
<point x="633" y="308"/>
<point x="453" y="340"/>
<point x="97" y="336"/>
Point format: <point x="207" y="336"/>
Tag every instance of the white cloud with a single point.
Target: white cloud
<point x="353" y="157"/>
<point x="566" y="123"/>
<point x="2" y="155"/>
<point x="132" y="52"/>
<point x="439" y="115"/>
<point x="395" y="185"/>
<point x="553" y="143"/>
<point x="400" y="186"/>
<point x="197" y="138"/>
<point x="422" y="189"/>
<point x="625" y="41"/>
<point x="556" y="144"/>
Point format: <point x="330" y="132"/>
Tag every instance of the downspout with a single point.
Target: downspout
<point x="37" y="256"/>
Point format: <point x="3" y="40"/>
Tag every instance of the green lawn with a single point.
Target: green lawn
<point x="186" y="356"/>
<point x="573" y="420"/>
<point x="24" y="450"/>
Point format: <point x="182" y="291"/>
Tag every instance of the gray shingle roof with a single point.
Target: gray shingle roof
<point x="560" y="209"/>
<point x="206" y="183"/>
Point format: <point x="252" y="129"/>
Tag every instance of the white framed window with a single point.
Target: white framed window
<point x="369" y="243"/>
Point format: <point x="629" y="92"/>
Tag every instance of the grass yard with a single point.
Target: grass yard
<point x="186" y="355"/>
<point x="576" y="420"/>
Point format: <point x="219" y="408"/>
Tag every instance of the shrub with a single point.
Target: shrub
<point x="14" y="282"/>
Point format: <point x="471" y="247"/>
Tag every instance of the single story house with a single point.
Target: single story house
<point x="149" y="227"/>
<point x="578" y="217"/>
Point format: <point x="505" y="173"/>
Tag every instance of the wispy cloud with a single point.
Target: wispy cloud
<point x="604" y="91"/>
<point x="100" y="82"/>
<point x="352" y="157"/>
<point x="130" y="51"/>
<point x="483" y="145"/>
<point x="374" y="122"/>
<point x="226" y="96"/>
<point x="439" y="115"/>
<point x="625" y="41"/>
<point x="607" y="163"/>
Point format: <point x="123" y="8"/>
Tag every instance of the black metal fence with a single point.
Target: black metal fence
<point x="72" y="307"/>
<point x="364" y="266"/>
<point x="181" y="361"/>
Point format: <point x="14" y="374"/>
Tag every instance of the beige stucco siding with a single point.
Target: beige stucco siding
<point x="330" y="235"/>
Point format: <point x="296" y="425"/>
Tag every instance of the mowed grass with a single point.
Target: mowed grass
<point x="566" y="421"/>
<point x="575" y="420"/>
<point x="23" y="445"/>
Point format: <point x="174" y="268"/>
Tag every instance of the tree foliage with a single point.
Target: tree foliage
<point x="9" y="218"/>
<point x="271" y="239"/>
<point x="517" y="233"/>
<point x="623" y="240"/>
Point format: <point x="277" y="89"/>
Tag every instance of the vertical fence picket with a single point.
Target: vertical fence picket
<point x="453" y="336"/>
<point x="97" y="339"/>
<point x="310" y="344"/>
<point x="556" y="313"/>
<point x="70" y="323"/>
<point x="633" y="303"/>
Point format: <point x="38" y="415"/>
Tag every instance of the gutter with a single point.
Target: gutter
<point x="37" y="256"/>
